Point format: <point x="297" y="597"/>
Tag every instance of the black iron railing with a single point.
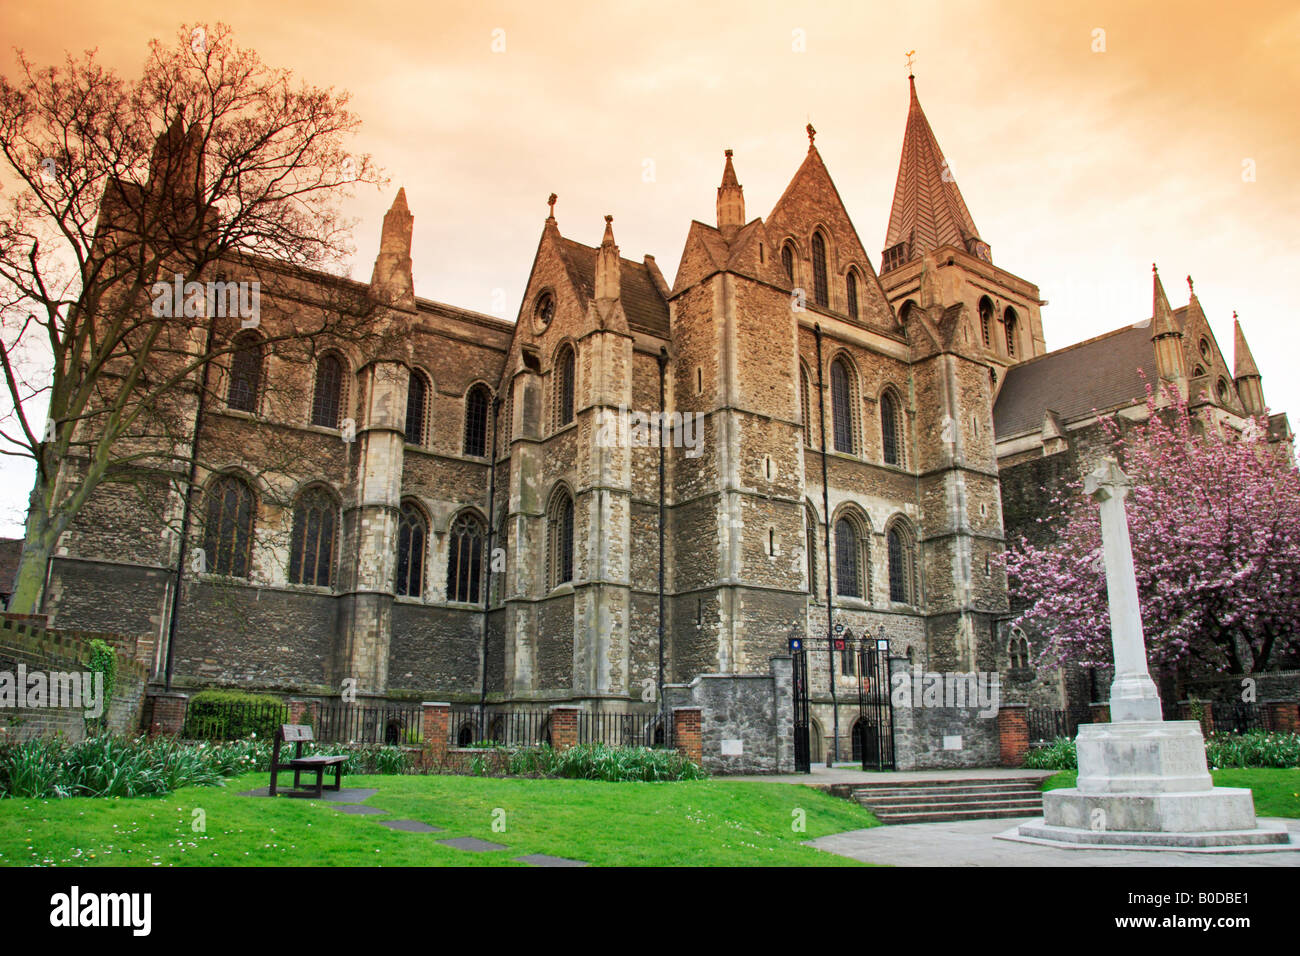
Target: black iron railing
<point x="625" y="730"/>
<point x="350" y="723"/>
<point x="467" y="727"/>
<point x="1239" y="717"/>
<point x="1045" y="724"/>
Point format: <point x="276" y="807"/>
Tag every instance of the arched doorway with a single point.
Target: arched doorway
<point x="815" y="751"/>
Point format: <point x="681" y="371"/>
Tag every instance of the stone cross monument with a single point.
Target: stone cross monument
<point x="1143" y="781"/>
<point x="1133" y="693"/>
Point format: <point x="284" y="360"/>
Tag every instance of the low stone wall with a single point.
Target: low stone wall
<point x="25" y="641"/>
<point x="746" y="721"/>
<point x="944" y="738"/>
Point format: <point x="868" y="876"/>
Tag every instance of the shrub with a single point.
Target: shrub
<point x="232" y="714"/>
<point x="1060" y="754"/>
<point x="111" y="766"/>
<point x="103" y="660"/>
<point x="104" y="766"/>
<point x="1258" y="748"/>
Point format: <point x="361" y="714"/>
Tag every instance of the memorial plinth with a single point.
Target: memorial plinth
<point x="1143" y="781"/>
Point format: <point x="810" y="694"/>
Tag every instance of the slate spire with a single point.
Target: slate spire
<point x="928" y="209"/>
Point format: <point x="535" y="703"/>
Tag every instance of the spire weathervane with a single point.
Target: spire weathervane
<point x="911" y="55"/>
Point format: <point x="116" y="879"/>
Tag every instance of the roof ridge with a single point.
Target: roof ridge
<point x="1075" y="345"/>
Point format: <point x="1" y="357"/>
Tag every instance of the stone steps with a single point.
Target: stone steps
<point x="936" y="801"/>
<point x="1025" y="802"/>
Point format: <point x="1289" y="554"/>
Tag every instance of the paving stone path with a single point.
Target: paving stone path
<point x="541" y="859"/>
<point x="409" y="826"/>
<point x="350" y="801"/>
<point x="984" y="843"/>
<point x="473" y="844"/>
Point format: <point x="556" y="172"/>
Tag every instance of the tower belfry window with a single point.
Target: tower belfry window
<point x="986" y="322"/>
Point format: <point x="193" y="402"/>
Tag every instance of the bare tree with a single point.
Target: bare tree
<point x="153" y="221"/>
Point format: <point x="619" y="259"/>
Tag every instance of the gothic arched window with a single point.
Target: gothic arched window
<point x="559" y="539"/>
<point x="890" y="428"/>
<point x="412" y="534"/>
<point x="417" y="403"/>
<point x="1009" y="318"/>
<point x="228" y="527"/>
<point x="986" y="321"/>
<point x="563" y="385"/>
<point x="465" y="559"/>
<point x="787" y="261"/>
<point x="311" y="545"/>
<point x="810" y="548"/>
<point x="245" y="372"/>
<point x="327" y="400"/>
<point x="848" y="576"/>
<point x="848" y="656"/>
<point x="821" y="291"/>
<point x="476" y="416"/>
<point x="842" y="406"/>
<point x="902" y="566"/>
<point x="1018" y="648"/>
<point x="851" y="287"/>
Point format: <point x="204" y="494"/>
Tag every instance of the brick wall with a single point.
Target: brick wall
<point x="38" y="649"/>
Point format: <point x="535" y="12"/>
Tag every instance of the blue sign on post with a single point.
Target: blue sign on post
<point x="796" y="643"/>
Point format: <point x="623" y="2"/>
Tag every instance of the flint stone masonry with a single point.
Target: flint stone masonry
<point x="754" y="710"/>
<point x="751" y="345"/>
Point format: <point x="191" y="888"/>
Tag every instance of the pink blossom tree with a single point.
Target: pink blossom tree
<point x="1214" y="518"/>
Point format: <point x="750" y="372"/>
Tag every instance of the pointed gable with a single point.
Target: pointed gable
<point x="642" y="302"/>
<point x="928" y="209"/>
<point x="811" y="202"/>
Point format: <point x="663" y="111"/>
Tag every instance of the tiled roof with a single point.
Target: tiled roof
<point x="928" y="210"/>
<point x="645" y="308"/>
<point x="1099" y="374"/>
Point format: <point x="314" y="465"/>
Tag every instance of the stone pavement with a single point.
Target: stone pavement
<point x="974" y="843"/>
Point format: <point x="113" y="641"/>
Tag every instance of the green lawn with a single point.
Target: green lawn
<point x="701" y="823"/>
<point x="1277" y="792"/>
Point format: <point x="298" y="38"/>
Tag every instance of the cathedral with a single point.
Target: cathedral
<point x="833" y="447"/>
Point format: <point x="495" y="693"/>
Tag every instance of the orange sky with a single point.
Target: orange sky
<point x="1080" y="168"/>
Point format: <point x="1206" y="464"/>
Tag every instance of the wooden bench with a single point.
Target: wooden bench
<point x="298" y="734"/>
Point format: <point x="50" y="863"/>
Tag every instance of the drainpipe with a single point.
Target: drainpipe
<point x="487" y="577"/>
<point x="833" y="754"/>
<point x="663" y="408"/>
<point x="186" y="508"/>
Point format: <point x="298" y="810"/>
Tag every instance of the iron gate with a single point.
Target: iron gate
<point x="802" y="750"/>
<point x="873" y="734"/>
